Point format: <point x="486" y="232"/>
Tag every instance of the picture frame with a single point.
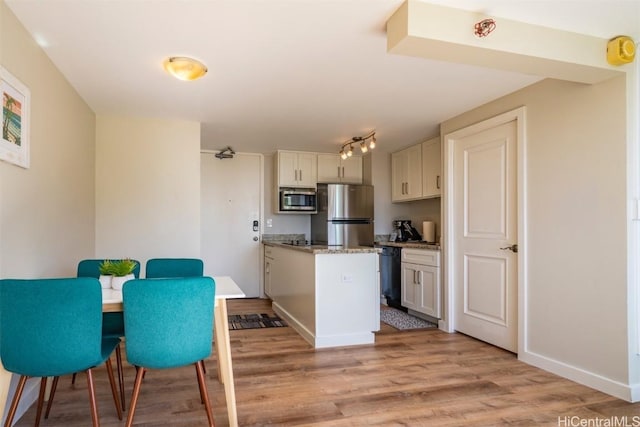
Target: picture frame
<point x="16" y="105"/>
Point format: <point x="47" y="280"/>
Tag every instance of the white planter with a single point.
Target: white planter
<point x="118" y="281"/>
<point x="105" y="281"/>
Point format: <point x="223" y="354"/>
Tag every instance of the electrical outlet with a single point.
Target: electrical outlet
<point x="347" y="278"/>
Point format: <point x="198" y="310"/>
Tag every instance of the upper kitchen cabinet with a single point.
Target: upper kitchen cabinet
<point x="406" y="174"/>
<point x="332" y="169"/>
<point x="431" y="168"/>
<point x="296" y="169"/>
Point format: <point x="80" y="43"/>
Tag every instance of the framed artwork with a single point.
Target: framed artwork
<point x="16" y="100"/>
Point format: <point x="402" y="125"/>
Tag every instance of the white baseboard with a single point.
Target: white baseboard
<point x="590" y="379"/>
<point x="299" y="327"/>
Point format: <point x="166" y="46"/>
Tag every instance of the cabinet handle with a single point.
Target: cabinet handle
<point x="407" y="188"/>
<point x="419" y="277"/>
<point x="343" y="171"/>
<point x="338" y="171"/>
<point x="300" y="174"/>
<point x="414" y="277"/>
<point x="295" y="172"/>
<point x="438" y="182"/>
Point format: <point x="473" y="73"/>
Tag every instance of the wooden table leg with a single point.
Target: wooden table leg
<point x="223" y="350"/>
<point x="5" y="383"/>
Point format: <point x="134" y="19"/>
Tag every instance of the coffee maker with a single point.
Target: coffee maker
<point x="405" y="231"/>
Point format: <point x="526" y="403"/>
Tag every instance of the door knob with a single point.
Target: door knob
<point x="513" y="248"/>
<point x="255" y="238"/>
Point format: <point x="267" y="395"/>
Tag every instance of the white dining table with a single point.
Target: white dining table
<point x="226" y="288"/>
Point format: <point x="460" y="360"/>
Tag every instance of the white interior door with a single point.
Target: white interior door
<point x="231" y="194"/>
<point x="485" y="224"/>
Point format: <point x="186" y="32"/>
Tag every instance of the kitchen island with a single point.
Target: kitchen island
<point x="329" y="295"/>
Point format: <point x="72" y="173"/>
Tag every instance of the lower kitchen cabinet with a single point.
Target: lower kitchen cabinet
<point x="269" y="262"/>
<point x="420" y="281"/>
<point x="329" y="296"/>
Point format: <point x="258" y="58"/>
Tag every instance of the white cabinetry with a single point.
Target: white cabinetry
<point x="406" y="174"/>
<point x="296" y="169"/>
<point x="421" y="282"/>
<point x="431" y="167"/>
<point x="269" y="262"/>
<point x="332" y="169"/>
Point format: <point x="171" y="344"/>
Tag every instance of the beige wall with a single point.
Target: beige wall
<point x="576" y="300"/>
<point x="147" y="188"/>
<point x="46" y="211"/>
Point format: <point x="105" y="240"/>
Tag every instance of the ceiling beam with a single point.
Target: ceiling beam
<point x="436" y="32"/>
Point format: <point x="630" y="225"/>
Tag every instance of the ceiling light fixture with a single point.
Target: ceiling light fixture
<point x="184" y="68"/>
<point x="360" y="140"/>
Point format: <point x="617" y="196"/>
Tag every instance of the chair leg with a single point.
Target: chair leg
<point x="114" y="392"/>
<point x="43" y="388"/>
<point x="14" y="402"/>
<point x="203" y="391"/>
<point x="136" y="391"/>
<point x="92" y="399"/>
<point x="199" y="386"/>
<point x="73" y="379"/>
<point x="120" y="376"/>
<point x="54" y="385"/>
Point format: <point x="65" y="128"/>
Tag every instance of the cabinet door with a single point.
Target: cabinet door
<point x="287" y="169"/>
<point x="267" y="276"/>
<point x="351" y="170"/>
<point x="398" y="174"/>
<point x="431" y="167"/>
<point x="329" y="168"/>
<point x="406" y="174"/>
<point x="428" y="298"/>
<point x="409" y="284"/>
<point x="307" y="170"/>
<point x="413" y="188"/>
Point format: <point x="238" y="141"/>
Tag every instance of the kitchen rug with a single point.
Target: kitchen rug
<point x="401" y="320"/>
<point x="254" y="321"/>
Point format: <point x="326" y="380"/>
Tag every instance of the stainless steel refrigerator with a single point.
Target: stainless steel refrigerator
<point x="345" y="215"/>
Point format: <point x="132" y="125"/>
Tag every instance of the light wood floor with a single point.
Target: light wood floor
<point x="409" y="378"/>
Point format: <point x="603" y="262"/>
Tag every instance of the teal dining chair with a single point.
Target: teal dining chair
<point x="169" y="323"/>
<point x="53" y="327"/>
<point x="112" y="323"/>
<point x="173" y="267"/>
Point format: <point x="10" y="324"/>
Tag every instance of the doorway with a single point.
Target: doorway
<point x="484" y="230"/>
<point x="231" y="218"/>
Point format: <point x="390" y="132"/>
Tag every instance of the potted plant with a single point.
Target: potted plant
<point x="106" y="273"/>
<point x="119" y="270"/>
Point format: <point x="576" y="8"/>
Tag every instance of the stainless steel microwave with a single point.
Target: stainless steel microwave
<point x="292" y="199"/>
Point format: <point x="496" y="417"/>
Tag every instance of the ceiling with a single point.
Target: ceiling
<point x="285" y="74"/>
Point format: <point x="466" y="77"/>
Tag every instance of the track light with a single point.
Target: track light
<point x="362" y="141"/>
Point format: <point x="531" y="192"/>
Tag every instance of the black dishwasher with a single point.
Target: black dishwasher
<point x="390" y="275"/>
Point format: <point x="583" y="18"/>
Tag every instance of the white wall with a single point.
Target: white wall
<point x="147" y="188"/>
<point x="46" y="211"/>
<point x="576" y="307"/>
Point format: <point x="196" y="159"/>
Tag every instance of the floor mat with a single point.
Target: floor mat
<point x="401" y="320"/>
<point x="254" y="321"/>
